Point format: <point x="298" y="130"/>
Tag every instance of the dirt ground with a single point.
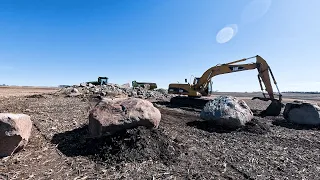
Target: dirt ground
<point x="184" y="146"/>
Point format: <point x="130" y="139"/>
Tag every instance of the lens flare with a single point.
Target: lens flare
<point x="226" y="33"/>
<point x="255" y="10"/>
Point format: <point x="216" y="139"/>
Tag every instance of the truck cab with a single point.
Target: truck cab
<point x="103" y="80"/>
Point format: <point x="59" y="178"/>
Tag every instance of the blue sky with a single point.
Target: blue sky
<point x="69" y="42"/>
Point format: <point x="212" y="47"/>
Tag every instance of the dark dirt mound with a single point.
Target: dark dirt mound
<point x="208" y="126"/>
<point x="287" y="124"/>
<point x="133" y="145"/>
<point x="254" y="126"/>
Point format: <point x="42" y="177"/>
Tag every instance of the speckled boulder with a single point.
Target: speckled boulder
<point x="227" y="111"/>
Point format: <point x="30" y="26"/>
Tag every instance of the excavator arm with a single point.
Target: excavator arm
<point x="263" y="75"/>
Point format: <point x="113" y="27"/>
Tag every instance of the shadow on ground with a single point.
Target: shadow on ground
<point x="254" y="126"/>
<point x="133" y="145"/>
<point x="183" y="107"/>
<point x="34" y="96"/>
<point x="256" y="112"/>
<point x="284" y="123"/>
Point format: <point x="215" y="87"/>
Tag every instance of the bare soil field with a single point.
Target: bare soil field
<point x="21" y="91"/>
<point x="184" y="146"/>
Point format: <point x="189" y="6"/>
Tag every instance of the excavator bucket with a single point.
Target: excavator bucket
<point x="274" y="109"/>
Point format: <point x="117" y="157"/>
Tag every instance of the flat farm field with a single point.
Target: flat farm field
<point x="6" y="91"/>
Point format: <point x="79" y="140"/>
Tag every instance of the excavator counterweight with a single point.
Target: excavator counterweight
<point x="198" y="93"/>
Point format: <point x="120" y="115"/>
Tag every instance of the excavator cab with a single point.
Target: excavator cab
<point x="196" y="80"/>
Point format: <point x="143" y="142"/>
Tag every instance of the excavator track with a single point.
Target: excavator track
<point x="274" y="109"/>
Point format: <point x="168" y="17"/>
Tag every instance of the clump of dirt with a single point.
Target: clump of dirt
<point x="133" y="145"/>
<point x="256" y="127"/>
<point x="35" y="96"/>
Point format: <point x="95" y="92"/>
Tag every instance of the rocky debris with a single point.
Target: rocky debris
<point x="127" y="85"/>
<point x="302" y="112"/>
<point x="112" y="115"/>
<point x="74" y="90"/>
<point x="83" y="84"/>
<point x="114" y="90"/>
<point x="146" y="86"/>
<point x="227" y="112"/>
<point x="15" y="130"/>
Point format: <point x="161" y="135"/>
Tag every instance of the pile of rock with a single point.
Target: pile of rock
<point x="115" y="90"/>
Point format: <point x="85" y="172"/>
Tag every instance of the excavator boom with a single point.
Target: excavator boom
<point x="200" y="86"/>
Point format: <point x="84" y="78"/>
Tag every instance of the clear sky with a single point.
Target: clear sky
<point x="68" y="42"/>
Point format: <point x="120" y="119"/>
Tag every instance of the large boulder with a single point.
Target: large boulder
<point x="302" y="112"/>
<point x="112" y="115"/>
<point x="227" y="111"/>
<point x="15" y="130"/>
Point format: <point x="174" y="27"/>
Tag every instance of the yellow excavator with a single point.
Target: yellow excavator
<point x="198" y="93"/>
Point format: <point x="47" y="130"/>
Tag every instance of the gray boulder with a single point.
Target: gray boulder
<point x="227" y="111"/>
<point x="302" y="112"/>
<point x="15" y="130"/>
<point x="112" y="115"/>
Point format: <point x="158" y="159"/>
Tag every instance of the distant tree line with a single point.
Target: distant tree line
<point x="62" y="86"/>
<point x="303" y="92"/>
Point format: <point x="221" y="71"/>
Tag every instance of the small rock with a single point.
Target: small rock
<point x="126" y="86"/>
<point x="74" y="90"/>
<point x="15" y="130"/>
<point x="146" y="86"/>
<point x="83" y="84"/>
<point x="74" y="94"/>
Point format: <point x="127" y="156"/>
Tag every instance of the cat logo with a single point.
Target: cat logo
<point x="236" y="68"/>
